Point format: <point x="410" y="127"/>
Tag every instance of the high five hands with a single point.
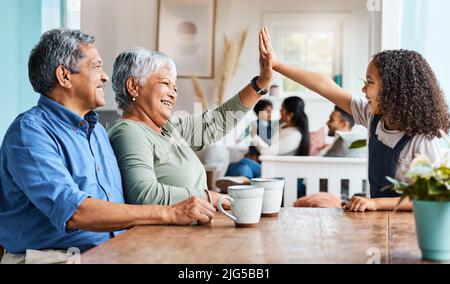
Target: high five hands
<point x="267" y="58"/>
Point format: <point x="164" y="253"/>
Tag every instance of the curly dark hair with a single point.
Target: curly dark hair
<point x="411" y="98"/>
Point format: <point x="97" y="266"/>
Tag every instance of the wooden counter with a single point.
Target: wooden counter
<point x="298" y="235"/>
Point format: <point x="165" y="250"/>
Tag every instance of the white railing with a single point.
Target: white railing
<point x="336" y="172"/>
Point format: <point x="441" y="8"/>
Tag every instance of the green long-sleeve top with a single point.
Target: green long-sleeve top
<point x="162" y="168"/>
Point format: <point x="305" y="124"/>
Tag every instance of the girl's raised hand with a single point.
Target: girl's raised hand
<point x="266" y="47"/>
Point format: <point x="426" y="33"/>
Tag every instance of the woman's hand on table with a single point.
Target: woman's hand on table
<point x="192" y="210"/>
<point x="361" y="204"/>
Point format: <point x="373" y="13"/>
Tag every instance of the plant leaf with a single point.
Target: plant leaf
<point x="421" y="189"/>
<point x="396" y="182"/>
<point x="402" y="198"/>
<point x="398" y="186"/>
<point x="435" y="188"/>
<point x="358" y="144"/>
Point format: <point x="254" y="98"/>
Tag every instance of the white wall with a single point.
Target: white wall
<point x="120" y="24"/>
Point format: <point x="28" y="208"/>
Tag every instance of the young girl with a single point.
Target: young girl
<point x="403" y="110"/>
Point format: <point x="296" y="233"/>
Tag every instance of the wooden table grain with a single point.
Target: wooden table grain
<point x="297" y="235"/>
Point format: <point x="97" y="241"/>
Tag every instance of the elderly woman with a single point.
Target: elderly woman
<point x="155" y="151"/>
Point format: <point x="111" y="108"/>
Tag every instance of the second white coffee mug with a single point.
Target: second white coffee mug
<point x="273" y="195"/>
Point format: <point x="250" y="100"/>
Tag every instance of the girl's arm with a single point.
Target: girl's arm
<point x="389" y="204"/>
<point x="361" y="204"/>
<point x="316" y="82"/>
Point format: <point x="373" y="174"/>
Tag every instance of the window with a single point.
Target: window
<point x="310" y="41"/>
<point x="309" y="50"/>
<point x="21" y="22"/>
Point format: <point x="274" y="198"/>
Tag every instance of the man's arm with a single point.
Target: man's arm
<point x="102" y="216"/>
<point x="38" y="171"/>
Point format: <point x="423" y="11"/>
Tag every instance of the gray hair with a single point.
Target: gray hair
<point x="56" y="47"/>
<point x="138" y="63"/>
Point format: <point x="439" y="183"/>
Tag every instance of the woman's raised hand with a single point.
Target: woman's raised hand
<point x="267" y="58"/>
<point x="266" y="46"/>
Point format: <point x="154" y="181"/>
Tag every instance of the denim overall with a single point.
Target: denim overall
<point x="382" y="162"/>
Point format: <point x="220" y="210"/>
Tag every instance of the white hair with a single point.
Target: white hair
<point x="138" y="63"/>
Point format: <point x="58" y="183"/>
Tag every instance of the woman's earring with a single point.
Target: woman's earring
<point x="134" y="99"/>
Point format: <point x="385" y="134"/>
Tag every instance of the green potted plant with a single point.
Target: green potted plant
<point x="429" y="190"/>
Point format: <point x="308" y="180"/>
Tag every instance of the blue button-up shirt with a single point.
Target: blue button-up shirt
<point x="51" y="160"/>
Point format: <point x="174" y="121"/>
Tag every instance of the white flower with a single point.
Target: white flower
<point x="420" y="171"/>
<point x="445" y="158"/>
<point x="420" y="160"/>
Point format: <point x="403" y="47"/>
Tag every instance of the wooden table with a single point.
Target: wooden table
<point x="296" y="236"/>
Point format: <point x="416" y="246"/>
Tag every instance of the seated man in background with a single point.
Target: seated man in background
<point x="342" y="126"/>
<point x="60" y="184"/>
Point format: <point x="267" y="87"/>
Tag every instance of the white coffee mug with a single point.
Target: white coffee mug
<point x="273" y="195"/>
<point x="246" y="205"/>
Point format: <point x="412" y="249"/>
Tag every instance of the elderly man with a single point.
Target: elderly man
<point x="60" y="185"/>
